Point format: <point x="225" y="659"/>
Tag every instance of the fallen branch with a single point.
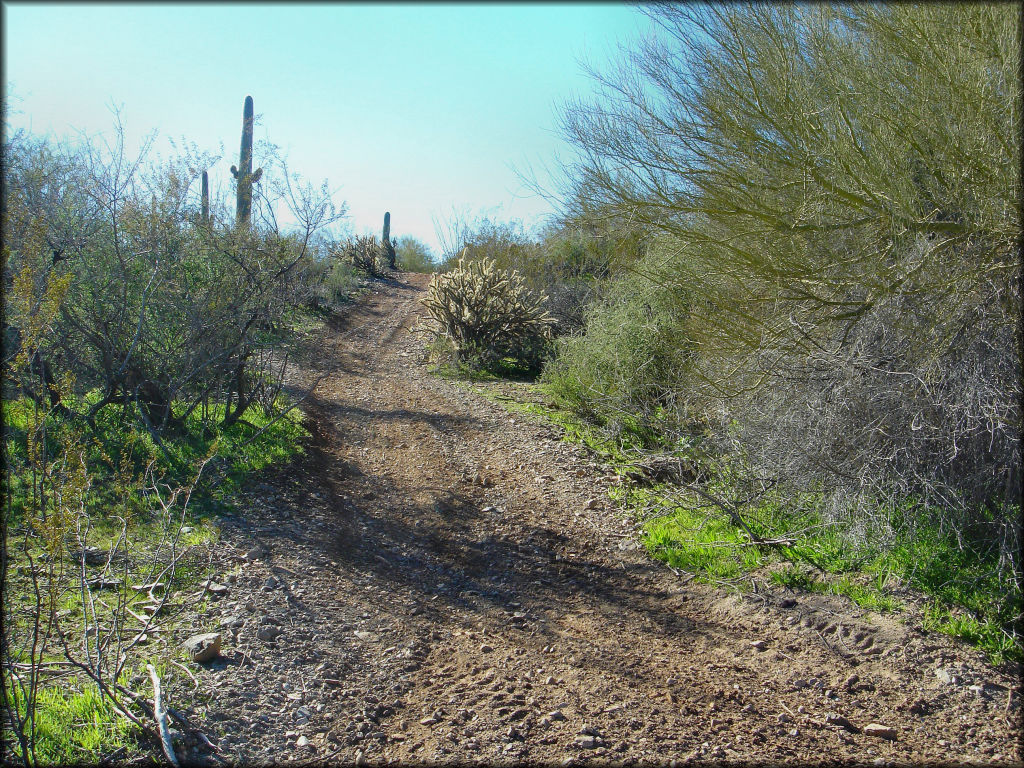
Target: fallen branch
<point x="143" y="702"/>
<point x="185" y="669"/>
<point x="161" y="718"/>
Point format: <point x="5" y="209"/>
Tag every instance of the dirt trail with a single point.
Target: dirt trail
<point x="444" y="581"/>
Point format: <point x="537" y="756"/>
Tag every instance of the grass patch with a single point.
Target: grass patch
<point x="872" y="564"/>
<point x="119" y="447"/>
<point x="702" y="544"/>
<point x="866" y="595"/>
<point x="124" y="510"/>
<point x="969" y="598"/>
<point x="75" y="725"/>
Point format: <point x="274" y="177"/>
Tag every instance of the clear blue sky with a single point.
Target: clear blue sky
<point x="415" y="109"/>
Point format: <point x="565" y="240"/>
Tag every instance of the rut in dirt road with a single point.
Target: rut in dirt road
<point x="444" y="581"/>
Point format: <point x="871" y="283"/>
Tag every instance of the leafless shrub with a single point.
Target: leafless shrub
<point x="366" y="255"/>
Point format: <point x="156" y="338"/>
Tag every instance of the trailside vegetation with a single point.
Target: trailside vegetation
<point x="143" y="377"/>
<point x="487" y="314"/>
<point x="825" y="322"/>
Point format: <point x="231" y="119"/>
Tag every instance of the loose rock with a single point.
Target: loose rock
<point x="268" y="633"/>
<point x="880" y="731"/>
<point x="214" y="588"/>
<point x="203" y="647"/>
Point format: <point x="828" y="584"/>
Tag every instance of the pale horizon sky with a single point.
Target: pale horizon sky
<point x="418" y="109"/>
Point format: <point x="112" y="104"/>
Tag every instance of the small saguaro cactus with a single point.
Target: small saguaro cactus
<point x="244" y="173"/>
<point x="204" y="213"/>
<point x="389" y="248"/>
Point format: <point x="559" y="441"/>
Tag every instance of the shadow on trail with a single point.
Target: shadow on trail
<point x="337" y="411"/>
<point x="436" y="554"/>
<point x="443" y="555"/>
<point x="352" y="317"/>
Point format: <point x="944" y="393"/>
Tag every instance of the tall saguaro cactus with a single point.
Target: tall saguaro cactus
<point x="244" y="173"/>
<point x="389" y="248"/>
<point x="204" y="214"/>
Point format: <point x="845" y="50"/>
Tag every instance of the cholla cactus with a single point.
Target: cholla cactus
<point x="366" y="255"/>
<point x="488" y="311"/>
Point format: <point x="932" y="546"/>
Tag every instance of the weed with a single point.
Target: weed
<point x="142" y="509"/>
<point x="75" y="725"/>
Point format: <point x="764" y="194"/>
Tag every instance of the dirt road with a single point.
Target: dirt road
<point x="439" y="580"/>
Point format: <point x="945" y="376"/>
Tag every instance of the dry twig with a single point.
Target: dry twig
<point x="161" y="718"/>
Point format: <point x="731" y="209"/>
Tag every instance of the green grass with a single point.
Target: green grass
<point x="75" y="725"/>
<point x="701" y="544"/>
<point x="872" y="565"/>
<point x="120" y="503"/>
<point x="120" y="442"/>
<point x="863" y="592"/>
<point x="970" y="600"/>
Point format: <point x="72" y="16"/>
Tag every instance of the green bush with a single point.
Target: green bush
<point x="835" y="207"/>
<point x="157" y="309"/>
<point x="414" y="255"/>
<point x="630" y="359"/>
<point x="141" y="382"/>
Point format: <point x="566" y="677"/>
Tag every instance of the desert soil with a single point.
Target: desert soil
<point x="440" y="580"/>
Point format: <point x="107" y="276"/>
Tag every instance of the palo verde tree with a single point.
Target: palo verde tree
<point x="835" y="197"/>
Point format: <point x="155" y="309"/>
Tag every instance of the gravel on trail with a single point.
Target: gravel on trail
<point x="437" y="579"/>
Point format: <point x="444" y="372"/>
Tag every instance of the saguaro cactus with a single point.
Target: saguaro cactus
<point x="204" y="214"/>
<point x="244" y="173"/>
<point x="389" y="248"/>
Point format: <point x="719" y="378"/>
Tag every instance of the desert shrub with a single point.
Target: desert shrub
<point x="630" y="359"/>
<point x="163" y="314"/>
<point x="488" y="313"/>
<point x="141" y="356"/>
<point x="836" y="211"/>
<point x="365" y="255"/>
<point x="577" y="254"/>
<point x="331" y="280"/>
<point x="848" y="283"/>
<point x="414" y="255"/>
<point x="567" y="260"/>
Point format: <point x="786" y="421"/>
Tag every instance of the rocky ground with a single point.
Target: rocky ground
<point x="438" y="580"/>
